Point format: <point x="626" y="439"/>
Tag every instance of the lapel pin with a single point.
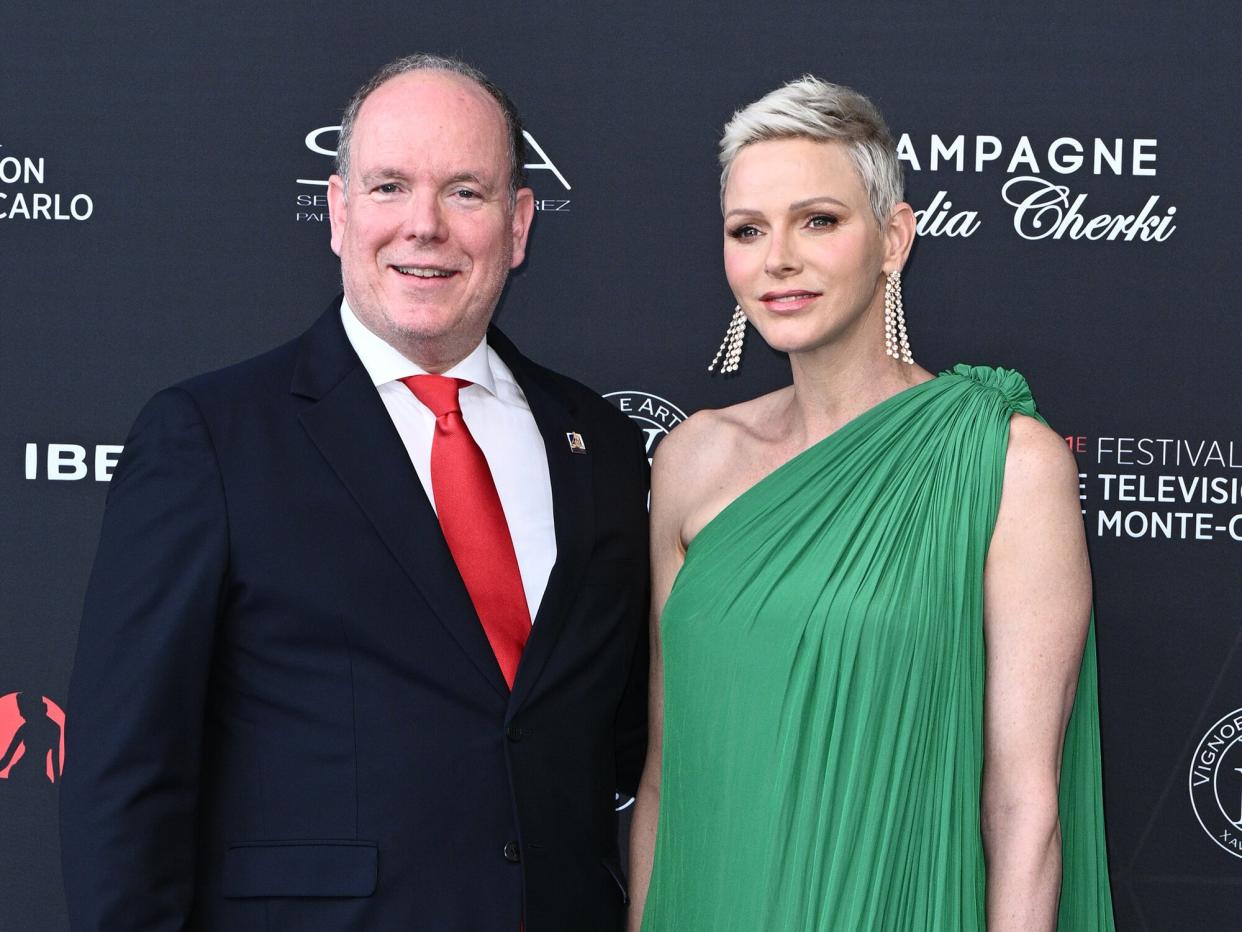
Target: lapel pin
<point x="576" y="443"/>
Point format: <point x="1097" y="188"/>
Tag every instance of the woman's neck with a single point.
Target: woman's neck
<point x="832" y="385"/>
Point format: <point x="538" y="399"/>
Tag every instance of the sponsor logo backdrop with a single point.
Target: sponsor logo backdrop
<point x="162" y="212"/>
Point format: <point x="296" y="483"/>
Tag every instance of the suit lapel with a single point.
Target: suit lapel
<point x="352" y="429"/>
<point x="573" y="509"/>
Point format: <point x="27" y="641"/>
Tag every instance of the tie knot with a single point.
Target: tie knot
<point x="437" y="392"/>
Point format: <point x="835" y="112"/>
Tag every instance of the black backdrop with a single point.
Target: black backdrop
<point x="161" y="214"/>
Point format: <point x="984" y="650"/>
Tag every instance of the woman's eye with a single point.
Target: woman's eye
<point x="746" y="231"/>
<point x="822" y="221"/>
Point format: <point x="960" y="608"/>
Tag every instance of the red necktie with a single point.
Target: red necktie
<point x="473" y="522"/>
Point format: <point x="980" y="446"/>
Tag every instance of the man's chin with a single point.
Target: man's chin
<point x="433" y="344"/>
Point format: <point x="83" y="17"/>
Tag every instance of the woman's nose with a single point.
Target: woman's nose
<point x="782" y="258"/>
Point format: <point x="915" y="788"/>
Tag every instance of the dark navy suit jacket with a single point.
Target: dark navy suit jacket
<point x="284" y="713"/>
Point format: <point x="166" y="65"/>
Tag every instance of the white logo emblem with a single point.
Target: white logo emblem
<point x="313" y="207"/>
<point x="1216" y="783"/>
<point x="655" y="415"/>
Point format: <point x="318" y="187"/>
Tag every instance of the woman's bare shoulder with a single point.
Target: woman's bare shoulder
<point x="698" y="465"/>
<point x="1038" y="459"/>
<point x="1039" y="503"/>
<point x="711" y="435"/>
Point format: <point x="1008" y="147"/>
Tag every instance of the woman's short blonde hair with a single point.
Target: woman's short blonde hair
<point x="811" y="108"/>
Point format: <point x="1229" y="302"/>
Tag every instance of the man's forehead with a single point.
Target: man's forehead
<point x="445" y="121"/>
<point x="432" y="94"/>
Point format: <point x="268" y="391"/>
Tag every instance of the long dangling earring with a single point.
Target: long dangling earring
<point x="896" y="343"/>
<point x="731" y="345"/>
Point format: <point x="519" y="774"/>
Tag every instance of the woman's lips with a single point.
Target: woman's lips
<point x="785" y="302"/>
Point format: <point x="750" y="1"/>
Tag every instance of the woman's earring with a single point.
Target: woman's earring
<point x="731" y="345"/>
<point x="896" y="343"/>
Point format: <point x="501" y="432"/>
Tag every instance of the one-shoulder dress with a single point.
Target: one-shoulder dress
<point x="823" y="688"/>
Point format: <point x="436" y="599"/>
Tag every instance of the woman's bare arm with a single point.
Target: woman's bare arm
<point x="673" y="481"/>
<point x="1037" y="604"/>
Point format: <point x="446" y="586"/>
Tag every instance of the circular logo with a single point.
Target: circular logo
<point x="655" y="415"/>
<point x="32" y="738"/>
<point x="1216" y="783"/>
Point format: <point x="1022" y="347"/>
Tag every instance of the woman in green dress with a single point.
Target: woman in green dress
<point x="873" y="673"/>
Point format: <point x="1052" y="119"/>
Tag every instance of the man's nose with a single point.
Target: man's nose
<point x="424" y="220"/>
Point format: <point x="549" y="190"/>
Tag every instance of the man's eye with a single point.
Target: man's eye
<point x="389" y="188"/>
<point x="466" y="194"/>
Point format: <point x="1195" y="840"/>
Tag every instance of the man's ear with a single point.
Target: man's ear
<point x="523" y="215"/>
<point x="336" y="210"/>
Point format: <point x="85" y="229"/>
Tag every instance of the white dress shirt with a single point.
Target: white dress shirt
<point x="495" y="410"/>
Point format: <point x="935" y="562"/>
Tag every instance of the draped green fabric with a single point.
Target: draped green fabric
<point x="823" y="693"/>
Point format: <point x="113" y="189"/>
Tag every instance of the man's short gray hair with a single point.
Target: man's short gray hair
<point x="810" y="108"/>
<point x="424" y="61"/>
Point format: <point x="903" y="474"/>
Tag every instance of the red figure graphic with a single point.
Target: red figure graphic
<point x="32" y="732"/>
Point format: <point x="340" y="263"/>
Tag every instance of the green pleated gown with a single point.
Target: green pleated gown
<point x="823" y="688"/>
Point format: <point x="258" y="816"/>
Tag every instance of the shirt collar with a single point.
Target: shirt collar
<point x="385" y="363"/>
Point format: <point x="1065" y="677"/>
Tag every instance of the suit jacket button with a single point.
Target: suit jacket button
<point x="514" y="733"/>
<point x="512" y="855"/>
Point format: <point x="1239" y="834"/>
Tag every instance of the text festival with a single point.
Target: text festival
<point x="1181" y="504"/>
<point x="1043" y="209"/>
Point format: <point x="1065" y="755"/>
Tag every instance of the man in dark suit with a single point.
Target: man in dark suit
<point x="362" y="647"/>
